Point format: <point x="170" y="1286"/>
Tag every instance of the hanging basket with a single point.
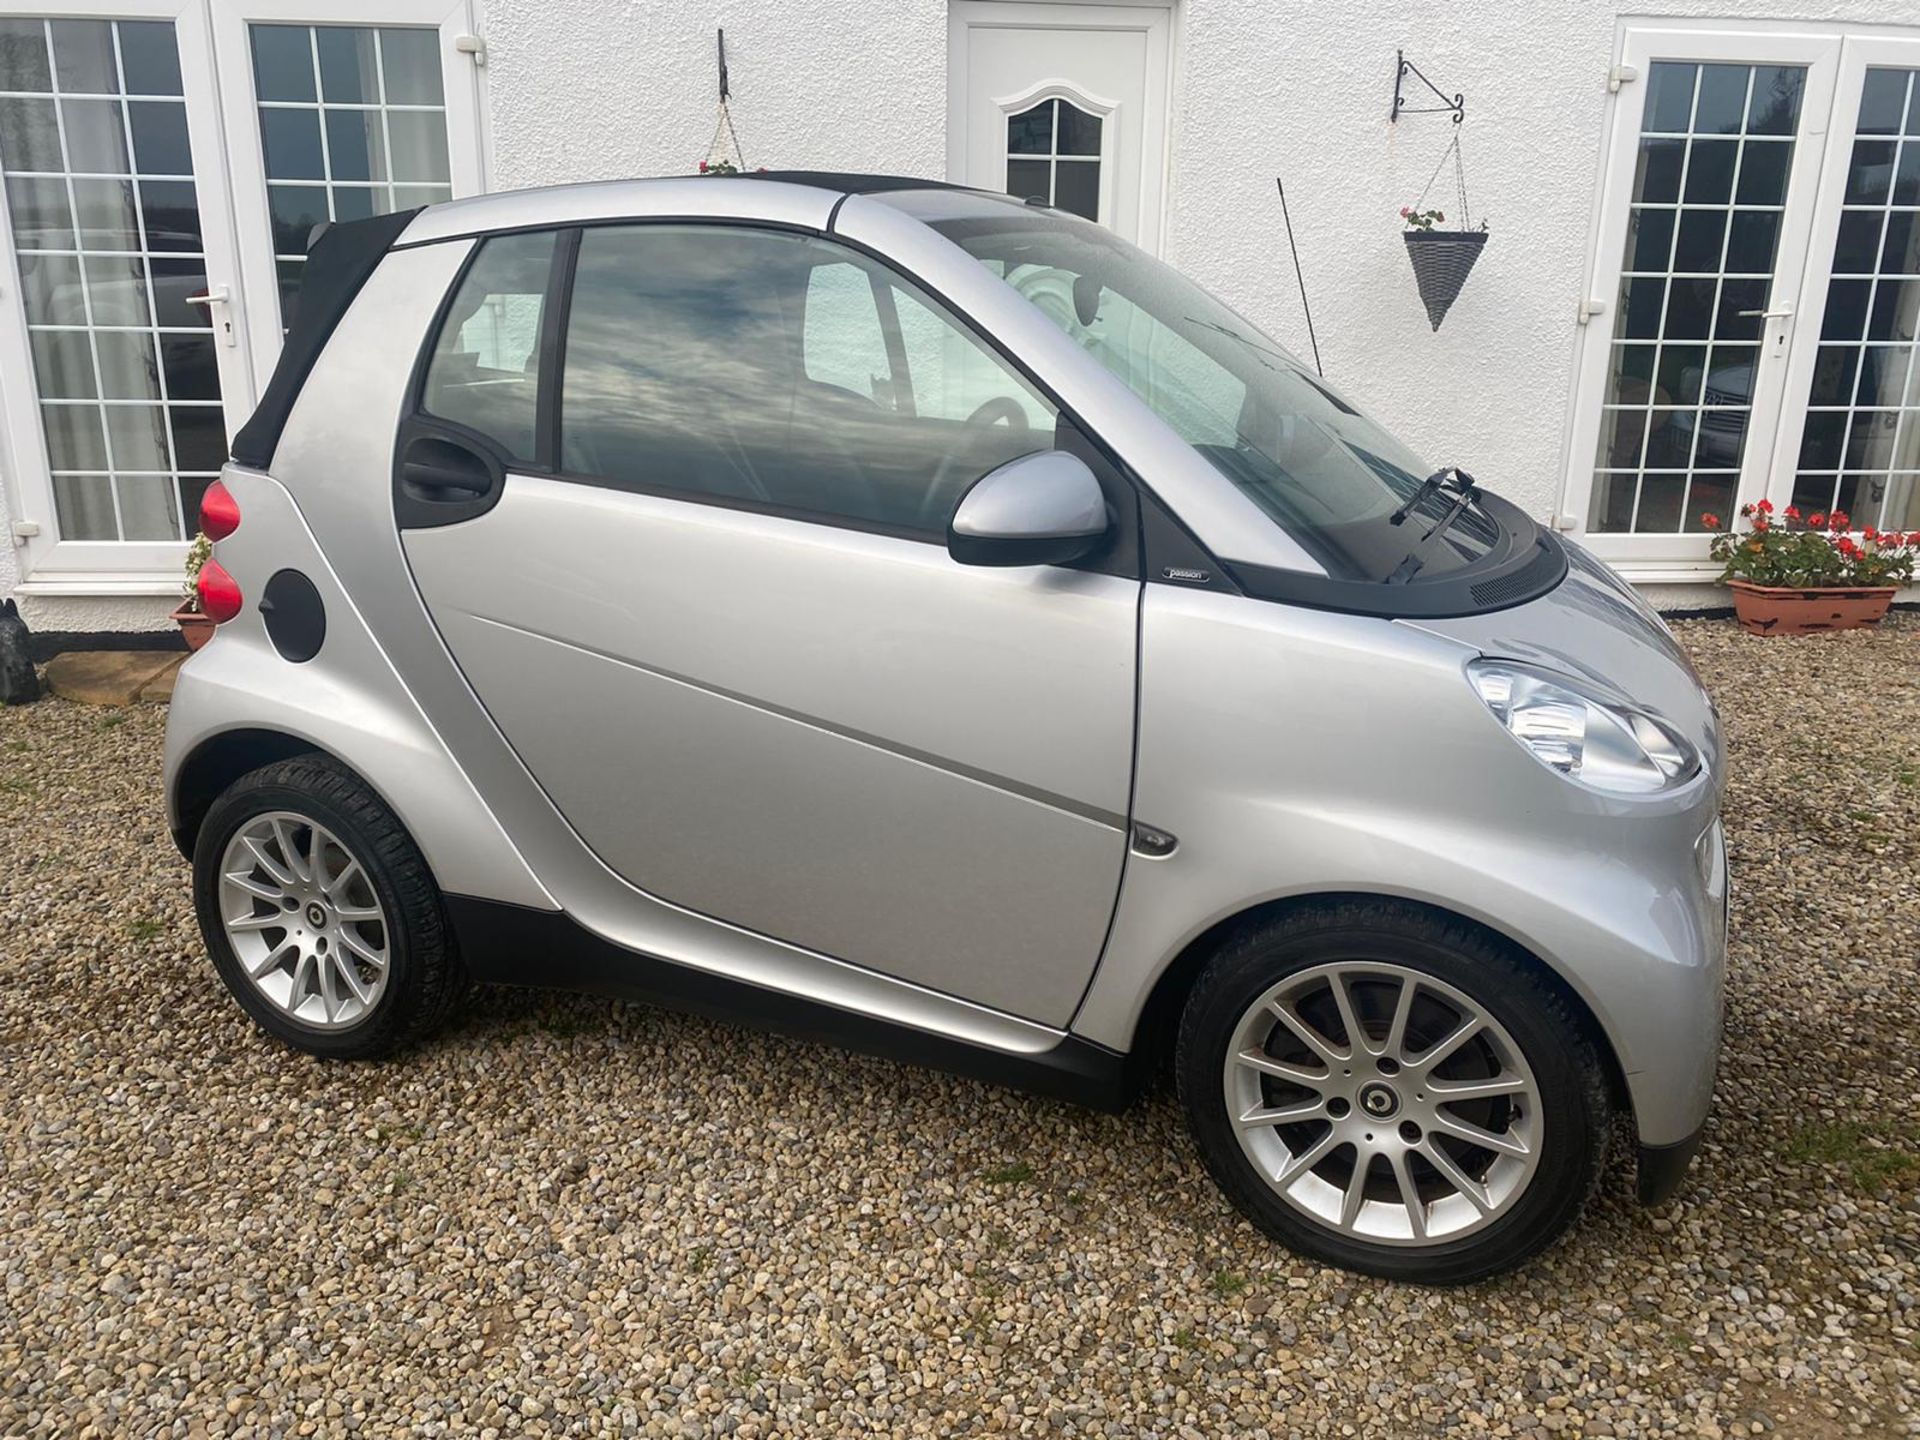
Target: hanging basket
<point x="1442" y="260"/>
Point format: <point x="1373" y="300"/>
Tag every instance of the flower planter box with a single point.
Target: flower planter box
<point x="196" y="627"/>
<point x="1786" y="610"/>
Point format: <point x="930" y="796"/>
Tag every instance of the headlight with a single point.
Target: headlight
<point x="1595" y="739"/>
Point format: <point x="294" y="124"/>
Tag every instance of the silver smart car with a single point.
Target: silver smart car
<point x="897" y="614"/>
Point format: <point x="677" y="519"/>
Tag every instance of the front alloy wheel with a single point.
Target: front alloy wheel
<point x="1392" y="1091"/>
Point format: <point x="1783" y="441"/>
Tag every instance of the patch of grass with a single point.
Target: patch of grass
<point x="1861" y="815"/>
<point x="108" y="721"/>
<point x="19" y="785"/>
<point x="1873" y="1156"/>
<point x="1185" y="1339"/>
<point x="1906" y="776"/>
<point x="697" y="1261"/>
<point x="1227" y="1285"/>
<point x="1018" y="1173"/>
<point x="144" y="929"/>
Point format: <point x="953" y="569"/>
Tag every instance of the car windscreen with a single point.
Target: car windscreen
<point x="1328" y="475"/>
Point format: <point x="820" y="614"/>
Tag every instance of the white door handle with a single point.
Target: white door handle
<point x="1784" y="313"/>
<point x="223" y="322"/>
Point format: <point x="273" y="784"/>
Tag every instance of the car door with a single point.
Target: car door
<point x="710" y="608"/>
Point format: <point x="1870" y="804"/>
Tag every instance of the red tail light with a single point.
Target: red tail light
<point x="219" y="512"/>
<point x="220" y="597"/>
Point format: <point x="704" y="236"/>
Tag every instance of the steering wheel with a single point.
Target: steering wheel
<point x="936" y="508"/>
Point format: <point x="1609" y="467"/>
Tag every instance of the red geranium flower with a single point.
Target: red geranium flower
<point x="1818" y="519"/>
<point x="1913" y="537"/>
<point x="1839" y="520"/>
<point x="1709" y="520"/>
<point x="1765" y="507"/>
<point x="1793" y="512"/>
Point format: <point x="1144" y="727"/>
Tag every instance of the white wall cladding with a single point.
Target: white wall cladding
<point x="1262" y="88"/>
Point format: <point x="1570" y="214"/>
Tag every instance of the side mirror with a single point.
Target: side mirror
<point x="1042" y="509"/>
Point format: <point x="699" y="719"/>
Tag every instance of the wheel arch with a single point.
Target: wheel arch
<point x="1159" y="1019"/>
<point x="219" y="760"/>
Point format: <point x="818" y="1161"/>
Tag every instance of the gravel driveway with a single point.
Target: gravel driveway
<point x="573" y="1216"/>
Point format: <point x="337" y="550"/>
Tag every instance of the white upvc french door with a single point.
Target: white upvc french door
<point x="164" y="164"/>
<point x="119" y="381"/>
<point x="1849" y="438"/>
<point x="1694" y="312"/>
<point x="337" y="112"/>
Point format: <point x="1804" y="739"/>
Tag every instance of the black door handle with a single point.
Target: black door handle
<point x="439" y="469"/>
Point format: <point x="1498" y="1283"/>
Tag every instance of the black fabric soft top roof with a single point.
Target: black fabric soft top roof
<point x="850" y="183"/>
<point x="337" y="266"/>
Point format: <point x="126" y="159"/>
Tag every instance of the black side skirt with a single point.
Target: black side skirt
<point x="513" y="945"/>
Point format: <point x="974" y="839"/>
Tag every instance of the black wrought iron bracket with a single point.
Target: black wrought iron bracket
<point x="721" y="43"/>
<point x="1403" y="67"/>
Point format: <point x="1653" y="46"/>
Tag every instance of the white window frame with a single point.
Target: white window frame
<point x="1087" y="103"/>
<point x="1683" y="558"/>
<point x="48" y="564"/>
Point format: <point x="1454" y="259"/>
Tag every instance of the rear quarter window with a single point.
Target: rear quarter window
<point x="485" y="369"/>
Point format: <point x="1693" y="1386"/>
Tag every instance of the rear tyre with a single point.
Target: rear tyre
<point x="1392" y="1091"/>
<point x="321" y="914"/>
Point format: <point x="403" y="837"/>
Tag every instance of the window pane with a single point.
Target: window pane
<point x="1076" y="187"/>
<point x="51" y="287"/>
<point x="29" y="134"/>
<point x="290" y="141"/>
<point x="96" y="137"/>
<point x="842" y="344"/>
<point x="149" y="57"/>
<point x="128" y="368"/>
<point x="23" y="56"/>
<point x="160" y="137"/>
<point x="349" y="73"/>
<point x="410" y="60"/>
<point x="1030" y="180"/>
<point x="418" y="142"/>
<point x="147" y="507"/>
<point x="485" y="372"/>
<point x="83" y="504"/>
<point x="715" y="402"/>
<point x="282" y="62"/>
<point x="83" y="57"/>
<point x="1079" y="131"/>
<point x="63" y="365"/>
<point x="1031" y="131"/>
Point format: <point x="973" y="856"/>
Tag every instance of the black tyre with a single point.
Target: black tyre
<point x="1392" y="1091"/>
<point x="321" y="914"/>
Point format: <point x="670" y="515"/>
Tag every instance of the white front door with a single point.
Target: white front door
<point x="165" y="162"/>
<point x="1065" y="104"/>
<point x="1755" y="292"/>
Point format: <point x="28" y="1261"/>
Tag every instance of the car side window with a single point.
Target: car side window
<point x="777" y="370"/>
<point x="485" y="369"/>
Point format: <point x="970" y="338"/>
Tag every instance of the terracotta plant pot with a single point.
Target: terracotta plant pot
<point x="1788" y="610"/>
<point x="197" y="628"/>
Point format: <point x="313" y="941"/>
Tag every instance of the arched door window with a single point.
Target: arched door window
<point x="1053" y="156"/>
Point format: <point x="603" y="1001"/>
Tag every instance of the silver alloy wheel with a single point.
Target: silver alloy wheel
<point x="1383" y="1104"/>
<point x="304" y="921"/>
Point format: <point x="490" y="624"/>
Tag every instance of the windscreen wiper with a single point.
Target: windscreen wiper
<point x="1462" y="485"/>
<point x="1456" y="482"/>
